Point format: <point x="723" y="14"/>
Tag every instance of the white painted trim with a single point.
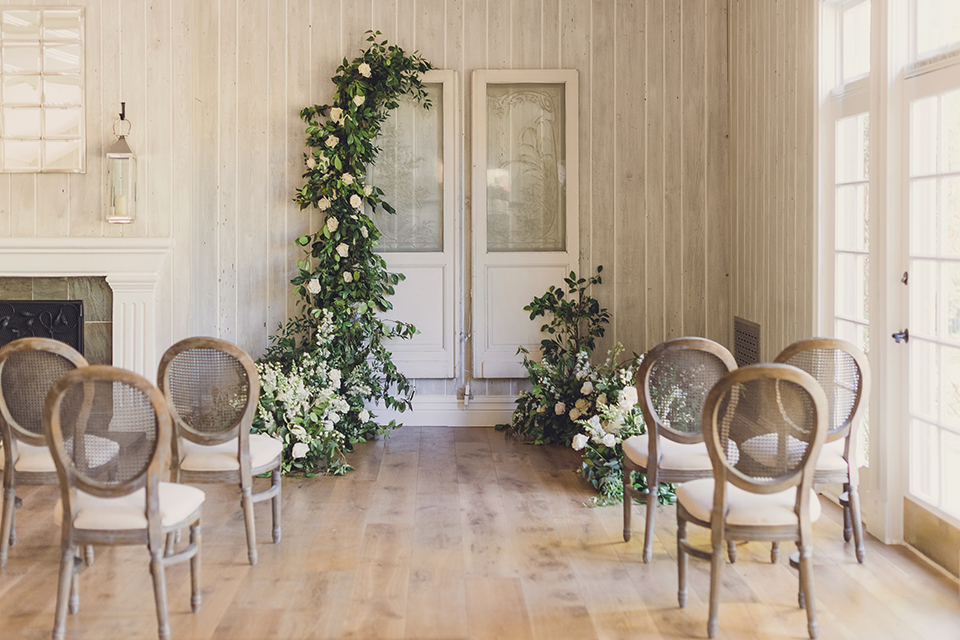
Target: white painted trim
<point x="447" y="411"/>
<point x="134" y="268"/>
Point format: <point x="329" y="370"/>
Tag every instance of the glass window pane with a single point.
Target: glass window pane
<point x="950" y="294"/>
<point x="924" y="380"/>
<point x="854" y="332"/>
<point x="925" y="461"/>
<point x="61" y="122"/>
<point x="21" y="58"/>
<point x="61" y="24"/>
<point x="923" y="298"/>
<point x="62" y="154"/>
<point x="938" y="25"/>
<point x="21" y="123"/>
<point x="526" y="195"/>
<point x="61" y="58"/>
<point x="21" y="154"/>
<point x="923" y="136"/>
<point x="950" y="217"/>
<point x="23" y="90"/>
<point x="950" y="131"/>
<point x="21" y="24"/>
<point x="950" y="448"/>
<point x="410" y="173"/>
<point x="852" y="286"/>
<point x="61" y="90"/>
<point x="852" y="217"/>
<point x="856" y="41"/>
<point x="950" y="386"/>
<point x="923" y="217"/>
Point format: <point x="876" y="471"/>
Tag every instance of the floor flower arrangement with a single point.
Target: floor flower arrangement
<point x="329" y="363"/>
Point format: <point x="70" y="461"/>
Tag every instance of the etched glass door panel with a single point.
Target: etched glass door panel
<point x="417" y="173"/>
<point x="524" y="206"/>
<point x="525" y="167"/>
<point x="409" y="170"/>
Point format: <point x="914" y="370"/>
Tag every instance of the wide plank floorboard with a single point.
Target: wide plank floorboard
<point x="463" y="533"/>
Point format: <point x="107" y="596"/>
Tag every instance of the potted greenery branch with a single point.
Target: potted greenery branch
<point x="328" y="363"/>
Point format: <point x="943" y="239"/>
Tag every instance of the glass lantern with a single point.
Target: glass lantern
<point x="121" y="177"/>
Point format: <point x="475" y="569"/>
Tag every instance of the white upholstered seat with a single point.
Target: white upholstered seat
<point x="224" y="457"/>
<point x="743" y="507"/>
<point x="176" y="501"/>
<point x="672" y="455"/>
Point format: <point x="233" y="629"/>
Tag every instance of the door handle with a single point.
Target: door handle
<point x="901" y="336"/>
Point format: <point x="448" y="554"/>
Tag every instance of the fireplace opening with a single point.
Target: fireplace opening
<point x="57" y="319"/>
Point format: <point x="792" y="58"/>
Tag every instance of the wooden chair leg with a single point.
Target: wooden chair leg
<point x="75" y="586"/>
<point x="716" y="576"/>
<point x="627" y="504"/>
<point x="847" y="519"/>
<point x="652" y="491"/>
<point x="276" y="482"/>
<point x="732" y="551"/>
<point x="88" y="555"/>
<point x="806" y="588"/>
<point x="6" y="528"/>
<point x="775" y="552"/>
<point x="195" y="568"/>
<point x="171" y="544"/>
<point x="160" y="593"/>
<point x="63" y="593"/>
<point x="853" y="497"/>
<point x="682" y="561"/>
<point x="247" y="504"/>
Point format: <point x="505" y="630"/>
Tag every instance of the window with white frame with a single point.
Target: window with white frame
<point x="41" y="90"/>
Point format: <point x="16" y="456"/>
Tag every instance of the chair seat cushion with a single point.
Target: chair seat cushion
<point x="763" y="449"/>
<point x="39" y="460"/>
<point x="672" y="455"/>
<point x="745" y="508"/>
<point x="224" y="457"/>
<point x="177" y="502"/>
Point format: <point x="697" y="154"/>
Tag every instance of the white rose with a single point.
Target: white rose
<point x="602" y="398"/>
<point x="311" y="163"/>
<point x="300" y="450"/>
<point x="363" y="232"/>
<point x="343" y="249"/>
<point x="574" y="413"/>
<point x="364" y="415"/>
<point x="587" y="388"/>
<point x="579" y="442"/>
<point x="313" y="286"/>
<point x="364" y="69"/>
<point x="332" y="224"/>
<point x="367" y="190"/>
<point x="610" y="440"/>
<point x="336" y="114"/>
<point x="541" y="409"/>
<point x="358" y="100"/>
<point x="323" y="204"/>
<point x="335" y="377"/>
<point x="347" y="276"/>
<point x="333" y="417"/>
<point x="560" y="408"/>
<point x="628" y="397"/>
<point x="582" y="404"/>
<point x="331" y="141"/>
<point x="594" y="422"/>
<point x="347" y="179"/>
<point x="356" y="201"/>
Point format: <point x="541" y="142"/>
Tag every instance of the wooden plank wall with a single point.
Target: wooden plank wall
<point x="214" y="88"/>
<point x="773" y="107"/>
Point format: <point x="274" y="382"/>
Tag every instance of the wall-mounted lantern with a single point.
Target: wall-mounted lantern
<point x="121" y="175"/>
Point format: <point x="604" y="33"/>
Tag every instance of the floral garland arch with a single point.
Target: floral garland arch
<point x="327" y="363"/>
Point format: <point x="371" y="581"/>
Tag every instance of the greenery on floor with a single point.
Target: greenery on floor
<point x="592" y="408"/>
<point x="329" y="362"/>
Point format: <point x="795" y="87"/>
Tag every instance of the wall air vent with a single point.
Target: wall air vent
<point x="746" y="341"/>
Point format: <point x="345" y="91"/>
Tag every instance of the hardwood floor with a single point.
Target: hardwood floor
<point x="461" y="533"/>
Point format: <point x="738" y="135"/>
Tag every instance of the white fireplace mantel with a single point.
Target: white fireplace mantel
<point x="134" y="268"/>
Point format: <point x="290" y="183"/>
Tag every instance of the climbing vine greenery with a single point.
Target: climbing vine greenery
<point x="330" y="361"/>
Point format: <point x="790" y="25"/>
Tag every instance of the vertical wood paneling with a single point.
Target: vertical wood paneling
<point x="696" y="171"/>
<point x="773" y="81"/>
<point x="630" y="211"/>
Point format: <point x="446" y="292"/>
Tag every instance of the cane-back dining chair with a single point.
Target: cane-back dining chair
<point x="673" y="381"/>
<point x="763" y="426"/>
<point x="126" y="504"/>
<point x="212" y="388"/>
<point x="844" y="373"/>
<point x="28" y="368"/>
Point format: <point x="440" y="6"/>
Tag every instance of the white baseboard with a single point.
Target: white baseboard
<point x="447" y="411"/>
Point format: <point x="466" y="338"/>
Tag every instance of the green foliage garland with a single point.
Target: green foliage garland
<point x="327" y="363"/>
